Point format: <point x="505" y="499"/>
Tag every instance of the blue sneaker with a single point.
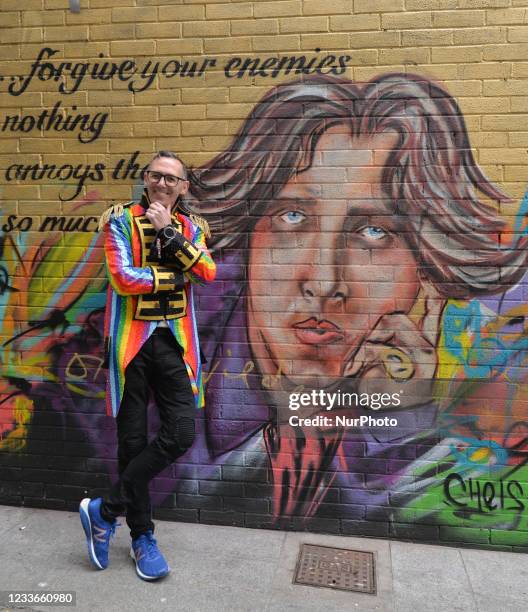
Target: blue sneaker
<point x="150" y="563"/>
<point x="97" y="530"/>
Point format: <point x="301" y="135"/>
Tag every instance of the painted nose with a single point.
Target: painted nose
<point x="332" y="290"/>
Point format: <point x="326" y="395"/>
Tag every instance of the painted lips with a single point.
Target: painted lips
<point x="314" y="331"/>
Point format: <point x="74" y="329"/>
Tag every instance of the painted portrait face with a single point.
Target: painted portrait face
<point x="327" y="261"/>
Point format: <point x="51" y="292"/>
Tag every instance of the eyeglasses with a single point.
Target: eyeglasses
<point x="170" y="179"/>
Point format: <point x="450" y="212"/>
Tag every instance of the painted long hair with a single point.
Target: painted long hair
<point x="430" y="176"/>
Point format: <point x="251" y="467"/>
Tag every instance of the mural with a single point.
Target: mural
<point x="365" y="338"/>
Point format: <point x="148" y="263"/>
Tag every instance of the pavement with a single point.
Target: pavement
<point x="218" y="568"/>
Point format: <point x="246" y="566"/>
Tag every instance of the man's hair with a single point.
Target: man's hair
<point x="171" y="155"/>
<point x="430" y="177"/>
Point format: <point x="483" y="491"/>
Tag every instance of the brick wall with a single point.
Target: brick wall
<point x="363" y="165"/>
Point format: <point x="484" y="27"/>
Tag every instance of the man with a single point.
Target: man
<point x="154" y="254"/>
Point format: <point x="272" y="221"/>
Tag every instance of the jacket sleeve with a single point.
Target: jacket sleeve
<point x="191" y="257"/>
<point x="125" y="278"/>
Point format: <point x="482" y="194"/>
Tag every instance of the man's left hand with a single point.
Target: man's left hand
<point x="158" y="215"/>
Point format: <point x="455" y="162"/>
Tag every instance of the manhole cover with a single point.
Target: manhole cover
<point x="336" y="568"/>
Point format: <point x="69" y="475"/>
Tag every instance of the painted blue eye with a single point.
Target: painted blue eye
<point x="294" y="217"/>
<point x="373" y="232"/>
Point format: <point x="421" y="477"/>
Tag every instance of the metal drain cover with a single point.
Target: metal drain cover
<point x="336" y="568"/>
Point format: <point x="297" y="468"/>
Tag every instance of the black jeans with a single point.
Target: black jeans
<point x="158" y="366"/>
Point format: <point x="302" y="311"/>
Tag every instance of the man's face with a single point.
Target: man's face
<point x="327" y="261"/>
<point x="159" y="191"/>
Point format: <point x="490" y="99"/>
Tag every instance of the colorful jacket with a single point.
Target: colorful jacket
<point x="133" y="282"/>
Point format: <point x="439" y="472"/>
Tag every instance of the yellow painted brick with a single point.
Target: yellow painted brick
<point x="354" y="22"/>
<point x="489" y="139"/>
<point x="12" y="20"/>
<point x="30" y="99"/>
<point x="20" y="192"/>
<point x="442" y="55"/>
<point x="404" y="56"/>
<point x="179" y="145"/>
<point x="480" y="36"/>
<point x="158" y="30"/>
<point x="378" y="6"/>
<point x="463" y="88"/>
<point x="199" y="128"/>
<point x="458" y="19"/>
<point x="135" y="113"/>
<point x="406" y="20"/>
<point x="514" y="51"/>
<point x="207" y="28"/>
<point x="310" y="42"/>
<point x="109" y="98"/>
<point x="519" y="139"/>
<point x="316" y="7"/>
<point x="239" y="10"/>
<point x="112" y="31"/>
<point x="86" y="50"/>
<point x="376" y="40"/>
<point x="9" y="52"/>
<point x="29" y="51"/>
<point x="180" y="111"/>
<point x="41" y="145"/>
<point x="247" y="94"/>
<point x="22" y="35"/>
<point x="518" y="34"/>
<point x="213" y="143"/>
<point x="288" y="42"/>
<point x="425" y="38"/>
<point x="159" y="96"/>
<point x="176" y="46"/>
<point x="245" y="27"/>
<point x="8" y="68"/>
<point x="520" y="69"/>
<point x="516" y="173"/>
<point x="127" y="48"/>
<point x="135" y="14"/>
<point x="482" y="3"/>
<point x="502" y="123"/>
<point x="14" y="5"/>
<point x="503" y="156"/>
<point x="181" y="13"/>
<point x="484" y="71"/>
<point x="277" y="9"/>
<point x="192" y="95"/>
<point x="127" y="145"/>
<point x="485" y="105"/>
<point x="303" y="24"/>
<point x="430" y="5"/>
<point x="91" y="16"/>
<point x="79" y="98"/>
<point x="159" y="128"/>
<point x="104" y="3"/>
<point x="60" y="4"/>
<point x="506" y="16"/>
<point x="101" y="145"/>
<point x="505" y="88"/>
<point x="228" y="111"/>
<point x="437" y="71"/>
<point x="234" y="44"/>
<point x="363" y="57"/>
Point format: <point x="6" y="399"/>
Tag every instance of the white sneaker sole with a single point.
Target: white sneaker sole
<point x="87" y="526"/>
<point x="140" y="573"/>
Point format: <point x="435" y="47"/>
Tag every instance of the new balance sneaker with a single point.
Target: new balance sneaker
<point x="150" y="563"/>
<point x="97" y="530"/>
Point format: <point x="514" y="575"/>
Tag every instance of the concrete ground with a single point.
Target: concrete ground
<point x="233" y="569"/>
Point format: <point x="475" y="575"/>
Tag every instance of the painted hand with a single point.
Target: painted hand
<point x="158" y="215"/>
<point x="399" y="354"/>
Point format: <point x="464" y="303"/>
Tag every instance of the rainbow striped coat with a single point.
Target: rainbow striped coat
<point x="125" y="335"/>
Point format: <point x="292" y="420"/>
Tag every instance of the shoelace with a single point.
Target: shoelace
<point x="113" y="529"/>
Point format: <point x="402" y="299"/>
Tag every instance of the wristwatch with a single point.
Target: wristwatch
<point x="168" y="232"/>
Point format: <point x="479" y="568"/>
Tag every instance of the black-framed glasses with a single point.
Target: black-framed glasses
<point x="170" y="179"/>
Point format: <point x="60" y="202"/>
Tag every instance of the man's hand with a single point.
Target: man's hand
<point x="158" y="215"/>
<point x="399" y="354"/>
